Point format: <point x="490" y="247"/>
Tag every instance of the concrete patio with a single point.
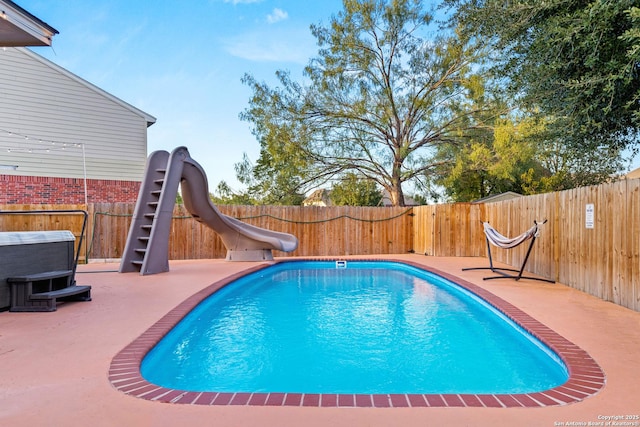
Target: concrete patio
<point x="54" y="366"/>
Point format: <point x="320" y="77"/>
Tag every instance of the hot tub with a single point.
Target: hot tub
<point x="31" y="252"/>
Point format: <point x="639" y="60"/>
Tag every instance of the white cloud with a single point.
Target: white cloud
<point x="285" y="46"/>
<point x="276" y="16"/>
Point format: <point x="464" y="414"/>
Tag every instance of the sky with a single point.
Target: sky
<point x="182" y="61"/>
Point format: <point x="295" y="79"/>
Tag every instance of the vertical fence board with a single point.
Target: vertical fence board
<point x="630" y="288"/>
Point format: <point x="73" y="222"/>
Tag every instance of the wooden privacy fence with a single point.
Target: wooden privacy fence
<point x="71" y="221"/>
<point x="449" y="230"/>
<point x="321" y="231"/>
<point x="590" y="242"/>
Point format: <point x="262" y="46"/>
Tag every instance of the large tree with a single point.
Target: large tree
<point x="381" y="98"/>
<point x="577" y="61"/>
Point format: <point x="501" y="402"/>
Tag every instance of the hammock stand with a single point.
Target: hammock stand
<point x="494" y="237"/>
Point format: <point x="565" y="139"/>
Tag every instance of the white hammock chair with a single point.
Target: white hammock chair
<point x="495" y="238"/>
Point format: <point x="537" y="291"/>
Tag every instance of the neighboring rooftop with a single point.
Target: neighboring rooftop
<point x="498" y="197"/>
<point x="322" y="197"/>
<point x="319" y="197"/>
<point x="20" y="28"/>
<point x="386" y="200"/>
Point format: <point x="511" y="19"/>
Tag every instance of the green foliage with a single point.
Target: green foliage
<point x="282" y="172"/>
<point x="577" y="61"/>
<point x="380" y="101"/>
<point x="524" y="156"/>
<point x="224" y="195"/>
<point x="420" y="199"/>
<point x="494" y="164"/>
<point x="279" y="189"/>
<point x="569" y="166"/>
<point x="354" y="191"/>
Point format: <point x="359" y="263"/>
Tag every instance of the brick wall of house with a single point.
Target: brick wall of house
<point x="16" y="189"/>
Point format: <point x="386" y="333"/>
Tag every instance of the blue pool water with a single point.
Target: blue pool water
<point x="373" y="327"/>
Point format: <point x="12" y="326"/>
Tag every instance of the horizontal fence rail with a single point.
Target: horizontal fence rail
<point x="591" y="240"/>
<point x="331" y="231"/>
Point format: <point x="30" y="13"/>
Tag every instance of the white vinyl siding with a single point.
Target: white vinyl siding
<point x="53" y="108"/>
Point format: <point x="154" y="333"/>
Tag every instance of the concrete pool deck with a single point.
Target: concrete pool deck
<point x="54" y="367"/>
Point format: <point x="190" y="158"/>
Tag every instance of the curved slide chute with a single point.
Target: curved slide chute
<point x="147" y="247"/>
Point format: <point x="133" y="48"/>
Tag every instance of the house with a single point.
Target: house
<point x="498" y="197"/>
<point x="386" y="200"/>
<point x="62" y="139"/>
<point x="321" y="197"/>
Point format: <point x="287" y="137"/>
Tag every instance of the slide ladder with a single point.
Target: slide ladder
<point x="147" y="247"/>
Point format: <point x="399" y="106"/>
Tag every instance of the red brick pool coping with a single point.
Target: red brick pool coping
<point x="586" y="378"/>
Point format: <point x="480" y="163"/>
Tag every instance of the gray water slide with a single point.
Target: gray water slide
<point x="147" y="247"/>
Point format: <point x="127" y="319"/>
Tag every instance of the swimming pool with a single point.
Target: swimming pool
<point x="586" y="378"/>
<point x="350" y="328"/>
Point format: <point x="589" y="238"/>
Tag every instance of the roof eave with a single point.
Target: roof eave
<point x="20" y="28"/>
